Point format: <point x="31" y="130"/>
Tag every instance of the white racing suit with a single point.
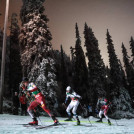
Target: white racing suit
<point x="73" y="104"/>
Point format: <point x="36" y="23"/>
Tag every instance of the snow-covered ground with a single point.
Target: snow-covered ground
<point x="11" y="124"/>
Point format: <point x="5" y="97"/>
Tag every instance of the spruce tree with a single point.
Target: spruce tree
<point x="73" y="59"/>
<point x="115" y="72"/>
<point x="96" y="67"/>
<point x="132" y="46"/>
<point x="72" y="53"/>
<point x="80" y="68"/>
<point x="35" y="36"/>
<point x="124" y="79"/>
<point x="120" y="97"/>
<point x="36" y="49"/>
<point x="63" y="75"/>
<point x="15" y="64"/>
<point x="129" y="70"/>
<point x="132" y="50"/>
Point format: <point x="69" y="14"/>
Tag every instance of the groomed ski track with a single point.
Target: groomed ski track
<point x="11" y="124"/>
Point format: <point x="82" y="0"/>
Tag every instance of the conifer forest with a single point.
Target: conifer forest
<point x="30" y="54"/>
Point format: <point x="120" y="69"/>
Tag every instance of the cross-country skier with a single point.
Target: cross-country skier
<point x="104" y="106"/>
<point x="73" y="104"/>
<point x="39" y="100"/>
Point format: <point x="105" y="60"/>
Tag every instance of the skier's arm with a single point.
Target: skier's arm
<point x="98" y="104"/>
<point x="66" y="99"/>
<point x="77" y="96"/>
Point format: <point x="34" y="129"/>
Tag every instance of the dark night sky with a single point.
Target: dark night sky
<point x="116" y="15"/>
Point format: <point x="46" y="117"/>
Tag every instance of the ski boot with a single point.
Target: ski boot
<point x="78" y="122"/>
<point x="69" y="119"/>
<point x="109" y="122"/>
<point x="34" y="122"/>
<point x="55" y="120"/>
<point x="100" y="120"/>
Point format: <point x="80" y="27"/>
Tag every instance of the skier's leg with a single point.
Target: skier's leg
<point x="100" y="115"/>
<point x="30" y="110"/>
<point x="74" y="112"/>
<point x="49" y="113"/>
<point x="44" y="107"/>
<point x="105" y="114"/>
<point x="70" y="106"/>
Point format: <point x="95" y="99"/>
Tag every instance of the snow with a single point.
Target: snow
<point x="11" y="124"/>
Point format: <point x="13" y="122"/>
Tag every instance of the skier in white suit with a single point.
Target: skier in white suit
<point x="73" y="104"/>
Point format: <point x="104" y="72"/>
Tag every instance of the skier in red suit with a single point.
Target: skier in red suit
<point x="104" y="106"/>
<point x="39" y="100"/>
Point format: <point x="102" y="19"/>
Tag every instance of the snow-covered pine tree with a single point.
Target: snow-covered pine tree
<point x="15" y="63"/>
<point x="35" y="45"/>
<point x="129" y="70"/>
<point x="121" y="100"/>
<point x="80" y="69"/>
<point x="35" y="36"/>
<point x="97" y="72"/>
<point x="47" y="83"/>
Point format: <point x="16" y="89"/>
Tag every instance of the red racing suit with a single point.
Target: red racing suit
<point x="23" y="99"/>
<point x="103" y="107"/>
<point x="39" y="98"/>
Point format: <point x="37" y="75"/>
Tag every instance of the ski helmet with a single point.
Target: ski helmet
<point x="68" y="88"/>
